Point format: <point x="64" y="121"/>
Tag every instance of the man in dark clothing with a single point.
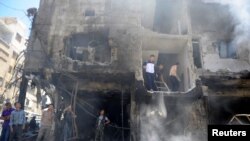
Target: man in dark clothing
<point x="6" y="117"/>
<point x="174" y="78"/>
<point x="102" y="121"/>
<point x="68" y="117"/>
<point x="32" y="124"/>
<point x="159" y="73"/>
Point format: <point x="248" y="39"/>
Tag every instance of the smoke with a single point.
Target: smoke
<point x="155" y="125"/>
<point x="152" y="118"/>
<point x="240" y="10"/>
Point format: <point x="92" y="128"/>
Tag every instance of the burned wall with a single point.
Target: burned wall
<point x="213" y="25"/>
<point x="222" y="109"/>
<point x="104" y="35"/>
<point x="96" y="42"/>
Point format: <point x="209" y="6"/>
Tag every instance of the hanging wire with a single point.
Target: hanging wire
<point x="15" y="9"/>
<point x="91" y="114"/>
<point x="12" y="8"/>
<point x="14" y="79"/>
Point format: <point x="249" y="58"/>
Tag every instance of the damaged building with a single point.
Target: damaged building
<point x="89" y="54"/>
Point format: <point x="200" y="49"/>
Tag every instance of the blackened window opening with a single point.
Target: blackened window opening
<point x="196" y="53"/>
<point x="88" y="47"/>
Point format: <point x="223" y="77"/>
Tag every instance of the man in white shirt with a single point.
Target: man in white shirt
<point x="150" y="73"/>
<point x="46" y="124"/>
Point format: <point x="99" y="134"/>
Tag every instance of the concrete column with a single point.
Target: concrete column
<point x="188" y="18"/>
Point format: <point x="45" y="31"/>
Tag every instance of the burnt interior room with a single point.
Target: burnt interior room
<point x="222" y="108"/>
<point x="88" y="47"/>
<point x="117" y="109"/>
<point x="89" y="102"/>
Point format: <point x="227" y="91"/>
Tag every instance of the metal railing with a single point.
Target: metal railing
<point x="242" y="119"/>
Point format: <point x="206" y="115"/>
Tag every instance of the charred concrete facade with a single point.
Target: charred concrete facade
<point x="93" y="51"/>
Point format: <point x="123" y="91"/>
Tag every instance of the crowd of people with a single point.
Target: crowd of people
<point x="15" y="124"/>
<point x="154" y="73"/>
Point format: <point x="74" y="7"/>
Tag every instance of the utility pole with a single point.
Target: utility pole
<point x="31" y="12"/>
<point x="23" y="90"/>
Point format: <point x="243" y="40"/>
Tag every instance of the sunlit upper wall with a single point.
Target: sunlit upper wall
<point x="15" y="33"/>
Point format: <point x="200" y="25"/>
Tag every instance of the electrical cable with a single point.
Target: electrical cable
<point x="14" y="74"/>
<point x="12" y="8"/>
<point x="15" y="9"/>
<point x="93" y="115"/>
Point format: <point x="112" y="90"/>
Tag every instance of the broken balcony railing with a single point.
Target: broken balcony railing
<point x="163" y="88"/>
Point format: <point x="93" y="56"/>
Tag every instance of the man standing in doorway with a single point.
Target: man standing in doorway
<point x="68" y="123"/>
<point x="17" y="123"/>
<point x="46" y="124"/>
<point x="102" y="121"/>
<point x="174" y="78"/>
<point x="150" y="73"/>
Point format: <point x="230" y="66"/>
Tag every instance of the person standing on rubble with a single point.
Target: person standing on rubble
<point x="32" y="124"/>
<point x="102" y="121"/>
<point x="174" y="78"/>
<point x="150" y="73"/>
<point x="47" y="120"/>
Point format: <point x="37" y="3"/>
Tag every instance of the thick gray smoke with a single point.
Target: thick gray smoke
<point x="240" y="10"/>
<point x="152" y="118"/>
<point x="153" y="122"/>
